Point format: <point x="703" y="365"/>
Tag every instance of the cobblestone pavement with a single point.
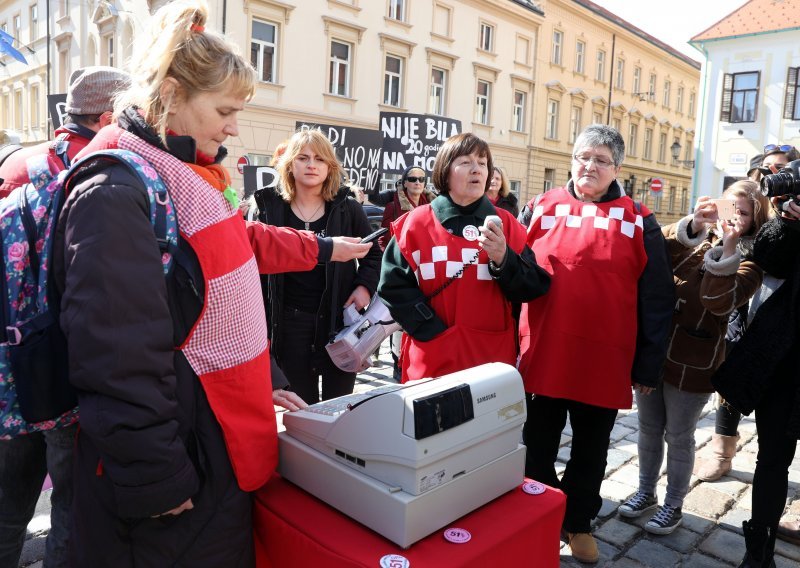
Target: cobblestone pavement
<point x="711" y="533"/>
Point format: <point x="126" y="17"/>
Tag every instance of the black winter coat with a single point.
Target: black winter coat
<point x="346" y="218"/>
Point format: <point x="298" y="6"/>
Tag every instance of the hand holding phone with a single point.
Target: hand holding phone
<point x="498" y="222"/>
<point x="726" y="208"/>
<point x="372" y="236"/>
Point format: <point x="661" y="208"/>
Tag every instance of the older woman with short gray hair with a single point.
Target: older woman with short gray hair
<point x="600" y="332"/>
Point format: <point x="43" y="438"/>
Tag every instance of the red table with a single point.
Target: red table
<point x="295" y="529"/>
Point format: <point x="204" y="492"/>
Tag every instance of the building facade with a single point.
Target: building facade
<point x="749" y="90"/>
<point x="526" y="76"/>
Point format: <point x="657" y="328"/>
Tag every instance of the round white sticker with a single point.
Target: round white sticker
<point x="533" y="488"/>
<point x="471" y="233"/>
<point x="394" y="561"/>
<point x="456" y="535"/>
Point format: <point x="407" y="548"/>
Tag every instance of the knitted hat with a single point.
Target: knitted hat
<point x="92" y="89"/>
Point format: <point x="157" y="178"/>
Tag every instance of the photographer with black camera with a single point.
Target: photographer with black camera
<point x="761" y="372"/>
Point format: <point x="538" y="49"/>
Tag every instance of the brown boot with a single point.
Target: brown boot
<point x="723" y="449"/>
<point x="583" y="547"/>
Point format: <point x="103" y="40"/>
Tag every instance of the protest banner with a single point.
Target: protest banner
<point x="258" y="177"/>
<point x="413" y="139"/>
<point x="56" y="105"/>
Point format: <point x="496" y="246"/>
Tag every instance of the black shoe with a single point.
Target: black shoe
<point x="760" y="542"/>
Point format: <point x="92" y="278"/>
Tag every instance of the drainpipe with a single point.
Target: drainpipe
<point x="611" y="78"/>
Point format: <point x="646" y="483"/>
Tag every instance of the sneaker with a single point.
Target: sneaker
<point x="638" y="504"/>
<point x="666" y="520"/>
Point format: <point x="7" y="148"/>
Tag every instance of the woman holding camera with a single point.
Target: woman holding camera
<point x="714" y="274"/>
<point x="439" y="265"/>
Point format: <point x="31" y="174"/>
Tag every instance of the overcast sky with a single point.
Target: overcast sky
<point x="673" y="21"/>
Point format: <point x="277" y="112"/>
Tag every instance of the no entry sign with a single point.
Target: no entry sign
<point x="656" y="184"/>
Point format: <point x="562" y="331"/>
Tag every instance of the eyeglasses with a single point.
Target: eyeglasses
<point x="413" y="179"/>
<point x="599" y="161"/>
<point x="781" y="148"/>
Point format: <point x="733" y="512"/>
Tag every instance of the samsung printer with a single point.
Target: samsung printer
<point x="406" y="460"/>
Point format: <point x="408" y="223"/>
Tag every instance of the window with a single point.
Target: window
<point x="575" y="123"/>
<point x="549" y="178"/>
<point x="6" y="108"/>
<point x="597" y="118"/>
<point x="657" y="197"/>
<point x="110" y="50"/>
<point x="514" y="186"/>
<point x="392" y="79"/>
<point x="441" y="20"/>
<point x="739" y="97"/>
<point x="18" y="109"/>
<point x="637" y="80"/>
<point x="633" y="134"/>
<point x="339" y="81"/>
<point x="518" y="119"/>
<point x="397" y="10"/>
<point x="662" y="147"/>
<point x="487" y="37"/>
<point x="647" y="153"/>
<point x="667" y="93"/>
<point x="684" y="200"/>
<point x="558" y="38"/>
<point x="580" y="56"/>
<point x="63" y="8"/>
<point x="687" y="152"/>
<point x="671" y="202"/>
<point x="791" y="103"/>
<point x="616" y="124"/>
<point x="691" y="104"/>
<point x="35" y="107"/>
<point x="601" y="65"/>
<point x="552" y="119"/>
<point x="34" y="21"/>
<point x="263" y="50"/>
<point x="651" y="90"/>
<point x="679" y="100"/>
<point x="482" y="101"/>
<point x="620" y="81"/>
<point x="523" y="50"/>
<point x="17" y="27"/>
<point x="438" y="89"/>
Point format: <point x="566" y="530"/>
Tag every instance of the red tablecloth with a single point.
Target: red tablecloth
<point x="295" y="529"/>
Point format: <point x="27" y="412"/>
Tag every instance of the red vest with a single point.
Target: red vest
<point x="477" y="314"/>
<point x="227" y="347"/>
<point x="578" y="341"/>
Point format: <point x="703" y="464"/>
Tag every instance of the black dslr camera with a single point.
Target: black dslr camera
<point x="785" y="182"/>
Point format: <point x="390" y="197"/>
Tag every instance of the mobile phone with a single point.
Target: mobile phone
<point x="726" y="208"/>
<point x="372" y="236"/>
<point x="494" y="219"/>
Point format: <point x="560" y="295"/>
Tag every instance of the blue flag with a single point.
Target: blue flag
<point x="6" y="41"/>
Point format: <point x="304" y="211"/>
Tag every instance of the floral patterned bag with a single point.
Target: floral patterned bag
<point x="35" y="393"/>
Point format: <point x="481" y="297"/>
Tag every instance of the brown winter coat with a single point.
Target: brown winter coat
<point x="708" y="290"/>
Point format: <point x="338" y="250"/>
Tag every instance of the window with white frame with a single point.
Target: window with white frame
<point x="633" y="135"/>
<point x="580" y="56"/>
<point x="392" y="81"/>
<point x="339" y="80"/>
<point x="616" y="124"/>
<point x="740" y="97"/>
<point x="487" y="37"/>
<point x="6" y="108"/>
<point x="619" y="83"/>
<point x="17" y="27"/>
<point x="438" y="91"/>
<point x="637" y="79"/>
<point x="575" y="118"/>
<point x="657" y="197"/>
<point x="671" y="202"/>
<point x="662" y="147"/>
<point x="482" y="102"/>
<point x="514" y="185"/>
<point x="549" y="178"/>
<point x="109" y="39"/>
<point x="35" y="107"/>
<point x="687" y="151"/>
<point x="263" y="51"/>
<point x="397" y="10"/>
<point x="518" y="118"/>
<point x="691" y="104"/>
<point x="647" y="152"/>
<point x="18" y="125"/>
<point x="679" y="99"/>
<point x="651" y="92"/>
<point x="597" y="118"/>
<point x="552" y="119"/>
<point x="558" y="40"/>
<point x="667" y="93"/>
<point x="601" y="65"/>
<point x="34" y="22"/>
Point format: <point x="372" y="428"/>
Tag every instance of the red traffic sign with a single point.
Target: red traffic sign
<point x="656" y="184"/>
<point x="243" y="161"/>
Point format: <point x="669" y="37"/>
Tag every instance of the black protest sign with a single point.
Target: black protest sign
<point x="358" y="149"/>
<point x="56" y="106"/>
<point x="258" y="177"/>
<point x="413" y="139"/>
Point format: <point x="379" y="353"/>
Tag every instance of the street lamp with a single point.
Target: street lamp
<point x="675" y="150"/>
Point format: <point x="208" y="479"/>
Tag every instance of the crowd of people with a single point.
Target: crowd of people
<point x="179" y="355"/>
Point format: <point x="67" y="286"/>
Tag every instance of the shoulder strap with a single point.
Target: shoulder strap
<point x="7" y="150"/>
<point x="60" y="147"/>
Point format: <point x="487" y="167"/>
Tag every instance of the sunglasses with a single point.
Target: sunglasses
<point x="781" y="148"/>
<point x="413" y="179"/>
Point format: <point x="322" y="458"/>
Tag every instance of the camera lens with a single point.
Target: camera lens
<point x="775" y="185"/>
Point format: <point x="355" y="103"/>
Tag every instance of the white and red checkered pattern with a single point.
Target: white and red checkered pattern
<point x="197" y="209"/>
<point x="426" y="266"/>
<point x="592" y="214"/>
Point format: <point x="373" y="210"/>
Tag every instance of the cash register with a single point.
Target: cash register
<point x="406" y="460"/>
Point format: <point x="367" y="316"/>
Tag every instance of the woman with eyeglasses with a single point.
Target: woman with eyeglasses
<point x="448" y="278"/>
<point x="499" y="192"/>
<point x="600" y="332"/>
<point x="410" y="193"/>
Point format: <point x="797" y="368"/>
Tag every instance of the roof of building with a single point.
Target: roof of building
<point x="530" y="5"/>
<point x="610" y="16"/>
<point x="754" y="17"/>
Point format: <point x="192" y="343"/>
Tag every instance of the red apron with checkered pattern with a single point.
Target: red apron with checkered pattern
<point x="480" y="328"/>
<point x="227" y="347"/>
<point x="578" y="341"/>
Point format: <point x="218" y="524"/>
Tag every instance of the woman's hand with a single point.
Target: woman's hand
<point x="359" y="297"/>
<point x="287" y="399"/>
<point x="348" y="248"/>
<point x="185" y="506"/>
<point x="642" y="389"/>
<point x="731" y="231"/>
<point x="493" y="241"/>
<point x="705" y="214"/>
<point x="789" y="209"/>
